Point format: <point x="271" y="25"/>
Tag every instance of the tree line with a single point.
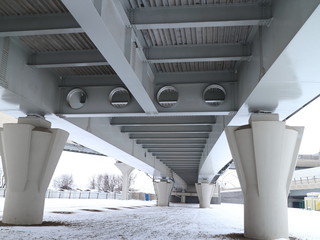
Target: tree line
<point x="102" y="182"/>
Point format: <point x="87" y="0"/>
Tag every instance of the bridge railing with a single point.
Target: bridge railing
<point x="305" y="182"/>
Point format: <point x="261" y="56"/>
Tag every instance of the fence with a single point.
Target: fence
<point x="91" y="195"/>
<point x="82" y="195"/>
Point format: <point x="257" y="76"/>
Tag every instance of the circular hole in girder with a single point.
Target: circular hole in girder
<point x="214" y="95"/>
<point x="167" y="96"/>
<point x="119" y="97"/>
<point x="77" y="98"/>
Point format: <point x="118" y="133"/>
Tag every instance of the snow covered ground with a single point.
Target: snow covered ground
<point x="116" y="219"/>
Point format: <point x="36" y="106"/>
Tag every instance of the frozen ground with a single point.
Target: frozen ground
<point x="116" y="219"/>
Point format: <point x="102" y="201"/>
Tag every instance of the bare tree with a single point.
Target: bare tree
<point x="109" y="182"/>
<point x="64" y="181"/>
<point x="106" y="183"/>
<point x="92" y="182"/>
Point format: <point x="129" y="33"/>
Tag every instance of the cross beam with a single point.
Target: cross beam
<point x="14" y="26"/>
<point x="201" y="16"/>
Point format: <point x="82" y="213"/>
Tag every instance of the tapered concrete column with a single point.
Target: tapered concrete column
<point x="265" y="153"/>
<point x="30" y="151"/>
<point x="183" y="197"/>
<point x="163" y="190"/>
<point x="126" y="171"/>
<point x="205" y="193"/>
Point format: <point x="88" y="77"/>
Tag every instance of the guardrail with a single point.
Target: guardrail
<point x="305" y="182"/>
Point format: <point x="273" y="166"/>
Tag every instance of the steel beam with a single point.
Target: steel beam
<point x="167" y="129"/>
<point x="160" y="78"/>
<point x="201" y="16"/>
<point x="177" y="154"/>
<point x="172" y="141"/>
<point x="172" y="145"/>
<point x="90" y="81"/>
<point x="198" y="53"/>
<point x="163" y="121"/>
<point x="176" y="150"/>
<point x="67" y="59"/>
<point x="198" y="77"/>
<point x="114" y="40"/>
<point x="160" y="54"/>
<point x="13" y="26"/>
<point x="168" y="135"/>
<point x="182" y="165"/>
<point x="179" y="159"/>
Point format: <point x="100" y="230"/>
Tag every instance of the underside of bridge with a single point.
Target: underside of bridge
<point x="154" y="83"/>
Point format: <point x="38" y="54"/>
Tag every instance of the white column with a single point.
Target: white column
<point x="265" y="153"/>
<point x="163" y="190"/>
<point x="126" y="171"/>
<point x="183" y="197"/>
<point x="30" y="151"/>
<point x="205" y="193"/>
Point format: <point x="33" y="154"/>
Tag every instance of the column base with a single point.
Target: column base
<point x="23" y="208"/>
<point x="163" y="191"/>
<point x="205" y="192"/>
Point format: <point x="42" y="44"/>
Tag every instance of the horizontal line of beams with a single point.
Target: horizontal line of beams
<point x="172" y="146"/>
<point x="166" y="129"/>
<point x="200" y="16"/>
<point x="194" y="154"/>
<point x="198" y="53"/>
<point x="13" y="26"/>
<point x="162" y="54"/>
<point x="169" y="150"/>
<point x="181" y="161"/>
<point x="192" y="77"/>
<point x="183" y="167"/>
<point x="152" y="121"/>
<point x="178" y="157"/>
<point x="168" y="135"/>
<point x="182" y="164"/>
<point x="145" y="18"/>
<point x="67" y="59"/>
<point x="160" y="78"/>
<point x="90" y="81"/>
<point x="171" y="141"/>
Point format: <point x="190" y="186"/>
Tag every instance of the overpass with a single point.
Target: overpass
<point x="154" y="83"/>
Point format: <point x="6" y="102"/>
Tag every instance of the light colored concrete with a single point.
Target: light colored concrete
<point x="126" y="171"/>
<point x="265" y="153"/>
<point x="30" y="151"/>
<point x="205" y="193"/>
<point x="163" y="191"/>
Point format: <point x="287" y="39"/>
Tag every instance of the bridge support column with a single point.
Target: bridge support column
<point x="163" y="190"/>
<point x="30" y="151"/>
<point x="126" y="171"/>
<point x="183" y="197"/>
<point x="265" y="153"/>
<point x="205" y="193"/>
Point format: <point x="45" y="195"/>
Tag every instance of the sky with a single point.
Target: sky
<point x="84" y="166"/>
<point x="309" y="117"/>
